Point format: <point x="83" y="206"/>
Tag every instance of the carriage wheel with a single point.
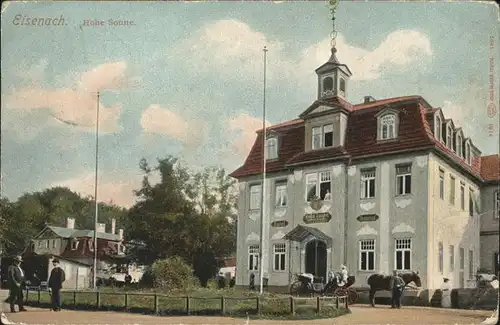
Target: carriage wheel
<point x="296" y="288"/>
<point x="352" y="296"/>
<point x="339" y="292"/>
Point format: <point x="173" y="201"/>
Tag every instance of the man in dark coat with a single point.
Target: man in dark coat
<point x="397" y="285"/>
<point x="16" y="283"/>
<point x="56" y="279"/>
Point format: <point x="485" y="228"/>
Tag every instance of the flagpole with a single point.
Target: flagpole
<point x="94" y="280"/>
<point x="263" y="190"/>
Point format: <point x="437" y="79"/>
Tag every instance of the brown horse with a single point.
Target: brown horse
<point x="378" y="282"/>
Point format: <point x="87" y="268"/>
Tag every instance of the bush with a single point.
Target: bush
<point x="173" y="273"/>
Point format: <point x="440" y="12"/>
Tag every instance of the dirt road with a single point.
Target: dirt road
<point x="360" y="315"/>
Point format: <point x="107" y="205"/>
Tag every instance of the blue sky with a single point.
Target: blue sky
<point x="186" y="79"/>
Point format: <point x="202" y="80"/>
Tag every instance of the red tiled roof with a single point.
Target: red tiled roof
<point x="414" y="133"/>
<point x="490" y="168"/>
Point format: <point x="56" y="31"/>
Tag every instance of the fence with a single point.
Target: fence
<point x="164" y="304"/>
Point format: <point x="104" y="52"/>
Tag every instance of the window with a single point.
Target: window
<point x="471" y="265"/>
<point x="437" y="129"/>
<point x="441" y="184"/>
<point x="342" y="86"/>
<point x="324" y="187"/>
<point x="462" y="195"/>
<point x="327" y="84"/>
<point x="367" y="255"/>
<point x="462" y="258"/>
<point x="53" y="243"/>
<point x="497" y="204"/>
<point x="47" y="243"/>
<point x="255" y="197"/>
<point x="272" y="148"/>
<point x="281" y="194"/>
<point x="471" y="203"/>
<point x="74" y="245"/>
<point x="403" y="254"/>
<point x="388" y="127"/>
<point x="452" y="190"/>
<point x="449" y="137"/>
<point x="322" y="136"/>
<point x="459" y="146"/>
<point x="279" y="257"/>
<point x="467" y="153"/>
<point x="441" y="257"/>
<point x="253" y="257"/>
<point x="40" y="244"/>
<point x="368" y="183"/>
<point x="451" y="252"/>
<point x="496" y="263"/>
<point x="403" y="179"/>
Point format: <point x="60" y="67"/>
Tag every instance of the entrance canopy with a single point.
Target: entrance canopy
<point x="299" y="233"/>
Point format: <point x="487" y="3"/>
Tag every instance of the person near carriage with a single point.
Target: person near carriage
<point x="342" y="276"/>
<point x="396" y="285"/>
<point x="17" y="281"/>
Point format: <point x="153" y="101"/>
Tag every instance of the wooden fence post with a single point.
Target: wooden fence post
<point x="318" y="305"/>
<point x="39" y="293"/>
<point x="187" y="305"/>
<point x="74" y="299"/>
<point x="292" y="305"/>
<point x="337" y="302"/>
<point x="258" y="305"/>
<point x="126" y="301"/>
<point x="223" y="305"/>
<point x="98" y="300"/>
<point x="157" y="307"/>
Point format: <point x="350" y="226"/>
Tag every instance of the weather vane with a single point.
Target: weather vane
<point x="333" y="4"/>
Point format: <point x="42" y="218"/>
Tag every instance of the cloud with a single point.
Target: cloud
<point x="243" y="128"/>
<point x="115" y="190"/>
<point x="233" y="48"/>
<point x="159" y="120"/>
<point x="76" y="105"/>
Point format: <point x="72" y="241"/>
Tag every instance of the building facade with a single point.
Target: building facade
<point x="490" y="203"/>
<point x="382" y="185"/>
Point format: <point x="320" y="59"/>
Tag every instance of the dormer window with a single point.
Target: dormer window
<point x="468" y="157"/>
<point x="74" y="244"/>
<point x="91" y="245"/>
<point x="449" y="137"/>
<point x="387" y="127"/>
<point x="322" y="136"/>
<point x="272" y="148"/>
<point x="459" y="146"/>
<point x="437" y="129"/>
<point x="342" y="86"/>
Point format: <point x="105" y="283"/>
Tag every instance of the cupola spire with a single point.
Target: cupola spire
<point x="333" y="75"/>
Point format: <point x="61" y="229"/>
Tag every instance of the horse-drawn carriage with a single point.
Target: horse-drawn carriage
<point x="307" y="284"/>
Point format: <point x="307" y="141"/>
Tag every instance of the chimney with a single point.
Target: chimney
<point x="113" y="225"/>
<point x="369" y="99"/>
<point x="120" y="233"/>
<point x="101" y="227"/>
<point x="70" y="223"/>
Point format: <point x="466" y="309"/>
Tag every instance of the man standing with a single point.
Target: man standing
<point x="16" y="284"/>
<point x="397" y="285"/>
<point x="56" y="279"/>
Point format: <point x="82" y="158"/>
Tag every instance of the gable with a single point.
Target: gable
<point x="47" y="233"/>
<point x="315" y="109"/>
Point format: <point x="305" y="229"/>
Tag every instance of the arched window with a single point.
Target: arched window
<point x="459" y="146"/>
<point x="342" y="86"/>
<point x="387" y="127"/>
<point x="449" y="137"/>
<point x="437" y="129"/>
<point x="327" y="84"/>
<point x="467" y="153"/>
<point x="272" y="148"/>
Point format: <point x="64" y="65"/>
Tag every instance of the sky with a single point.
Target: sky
<point x="186" y="79"/>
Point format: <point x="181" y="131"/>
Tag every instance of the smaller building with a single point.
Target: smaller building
<point x="75" y="250"/>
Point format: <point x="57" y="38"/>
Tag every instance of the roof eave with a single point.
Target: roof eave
<point x="317" y="161"/>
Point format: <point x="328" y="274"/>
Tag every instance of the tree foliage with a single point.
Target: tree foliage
<point x="185" y="214"/>
<point x="173" y="273"/>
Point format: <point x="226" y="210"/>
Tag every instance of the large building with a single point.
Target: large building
<point x="381" y="185"/>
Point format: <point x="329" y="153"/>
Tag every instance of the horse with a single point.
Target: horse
<point x="378" y="282"/>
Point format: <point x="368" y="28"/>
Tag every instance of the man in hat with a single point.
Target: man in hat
<point x="56" y="279"/>
<point x="396" y="285"/>
<point x="16" y="282"/>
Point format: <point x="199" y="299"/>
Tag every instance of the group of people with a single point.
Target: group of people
<point x="16" y="281"/>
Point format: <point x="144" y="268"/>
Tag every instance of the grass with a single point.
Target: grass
<point x="202" y="301"/>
